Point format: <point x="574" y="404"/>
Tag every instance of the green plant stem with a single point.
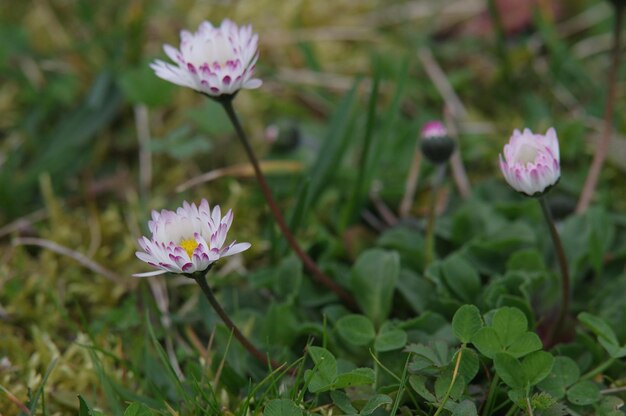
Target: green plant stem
<point x="208" y="293"/>
<point x="529" y="407"/>
<point x="565" y="280"/>
<point x="511" y="410"/>
<point x="455" y="373"/>
<point x="491" y="396"/>
<point x="597" y="370"/>
<point x="308" y="262"/>
<point x="602" y="146"/>
<point x="429" y="250"/>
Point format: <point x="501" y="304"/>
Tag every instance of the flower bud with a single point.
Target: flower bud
<point x="531" y="162"/>
<point x="436" y="145"/>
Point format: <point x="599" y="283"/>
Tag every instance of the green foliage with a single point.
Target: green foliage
<point x="466" y="322"/>
<point x="564" y="373"/>
<point x="356" y="329"/>
<point x="373" y="280"/>
<point x="507" y="333"/>
<point x="282" y="407"/>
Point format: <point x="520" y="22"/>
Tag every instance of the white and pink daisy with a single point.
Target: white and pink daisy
<point x="531" y="162"/>
<point x="188" y="240"/>
<point x="214" y="60"/>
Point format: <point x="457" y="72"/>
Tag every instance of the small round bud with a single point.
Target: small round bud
<point x="283" y="136"/>
<point x="436" y="145"/>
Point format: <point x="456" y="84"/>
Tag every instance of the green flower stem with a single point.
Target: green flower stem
<point x="308" y="262"/>
<point x="491" y="396"/>
<point x="565" y="280"/>
<point x="597" y="370"/>
<point x="529" y="407"/>
<point x="455" y="373"/>
<point x="208" y="293"/>
<point x="602" y="147"/>
<point x="429" y="252"/>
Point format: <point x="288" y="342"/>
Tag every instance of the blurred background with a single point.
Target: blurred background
<point x="91" y="140"/>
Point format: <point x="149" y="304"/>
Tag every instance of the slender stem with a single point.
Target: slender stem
<point x="455" y="373"/>
<point x="410" y="185"/>
<point x="565" y="281"/>
<point x="511" y="410"/>
<point x="491" y="396"/>
<point x="597" y="370"/>
<point x="432" y="209"/>
<point x="605" y="138"/>
<point x="529" y="407"/>
<point x="317" y="274"/>
<point x="208" y="293"/>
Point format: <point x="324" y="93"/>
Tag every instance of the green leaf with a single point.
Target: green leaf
<point x="487" y="342"/>
<point x="374" y="403"/>
<point x="598" y="326"/>
<point x="418" y="384"/>
<point x="416" y="290"/>
<point x="342" y="401"/>
<point x="389" y="339"/>
<point x="584" y="393"/>
<point x="280" y="326"/>
<point x="282" y="407"/>
<point x="529" y="260"/>
<point x="465" y="408"/>
<point x="373" y="281"/>
<point x="510" y="370"/>
<point x="356" y="329"/>
<point x="443" y="381"/>
<point x="324" y="374"/>
<point x="469" y="365"/>
<point x="426" y="356"/>
<point x="509" y="323"/>
<point x="525" y="344"/>
<point x="565" y="372"/>
<point x="356" y="377"/>
<point x="537" y="366"/>
<point x="84" y="409"/>
<point x="609" y="406"/>
<point x="138" y="409"/>
<point x="518" y="396"/>
<point x="461" y="277"/>
<point x="288" y="277"/>
<point x="466" y="322"/>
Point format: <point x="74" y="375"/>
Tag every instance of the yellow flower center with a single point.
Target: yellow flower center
<point x="189" y="246"/>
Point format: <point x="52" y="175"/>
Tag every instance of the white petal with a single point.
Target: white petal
<point x="253" y="84"/>
<point x="148" y="274"/>
<point x="236" y="248"/>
